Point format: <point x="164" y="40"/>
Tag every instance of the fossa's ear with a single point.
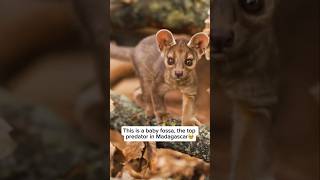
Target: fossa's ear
<point x="199" y="42"/>
<point x="165" y="39"/>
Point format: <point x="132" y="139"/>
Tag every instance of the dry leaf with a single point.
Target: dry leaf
<point x="116" y="161"/>
<point x="173" y="164"/>
<point x="117" y="139"/>
<point x="140" y="156"/>
<point x="133" y="150"/>
<point x="112" y="150"/>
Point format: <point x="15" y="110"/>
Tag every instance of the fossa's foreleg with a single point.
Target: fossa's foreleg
<point x="251" y="143"/>
<point x="158" y="102"/>
<point x="189" y="110"/>
<point x="251" y="137"/>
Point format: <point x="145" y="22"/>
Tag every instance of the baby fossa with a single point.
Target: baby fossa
<point x="163" y="63"/>
<point x="252" y="39"/>
<point x="246" y="67"/>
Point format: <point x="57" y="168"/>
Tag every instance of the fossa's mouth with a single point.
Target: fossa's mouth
<point x="180" y="78"/>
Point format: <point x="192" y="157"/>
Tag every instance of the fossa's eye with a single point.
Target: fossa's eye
<point x="170" y="61"/>
<point x="252" y="6"/>
<point x="188" y="62"/>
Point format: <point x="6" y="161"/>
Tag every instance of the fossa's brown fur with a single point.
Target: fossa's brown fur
<point x="246" y="67"/>
<point x="158" y="76"/>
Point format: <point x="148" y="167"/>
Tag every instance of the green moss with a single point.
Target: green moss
<point x="173" y="14"/>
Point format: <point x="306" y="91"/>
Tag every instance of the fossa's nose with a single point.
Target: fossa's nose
<point x="222" y="39"/>
<point x="178" y="73"/>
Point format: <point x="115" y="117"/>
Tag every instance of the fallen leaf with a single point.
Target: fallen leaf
<point x="173" y="164"/>
<point x="133" y="150"/>
<point x="141" y="159"/>
<point x="117" y="160"/>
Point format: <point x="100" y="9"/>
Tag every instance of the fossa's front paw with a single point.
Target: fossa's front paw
<point x="191" y="122"/>
<point x="149" y="111"/>
<point x="138" y="97"/>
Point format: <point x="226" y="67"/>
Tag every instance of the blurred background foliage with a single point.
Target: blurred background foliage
<point x="144" y="17"/>
<point x="187" y="15"/>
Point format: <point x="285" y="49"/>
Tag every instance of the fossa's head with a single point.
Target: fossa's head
<point x="181" y="55"/>
<point x="240" y="25"/>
